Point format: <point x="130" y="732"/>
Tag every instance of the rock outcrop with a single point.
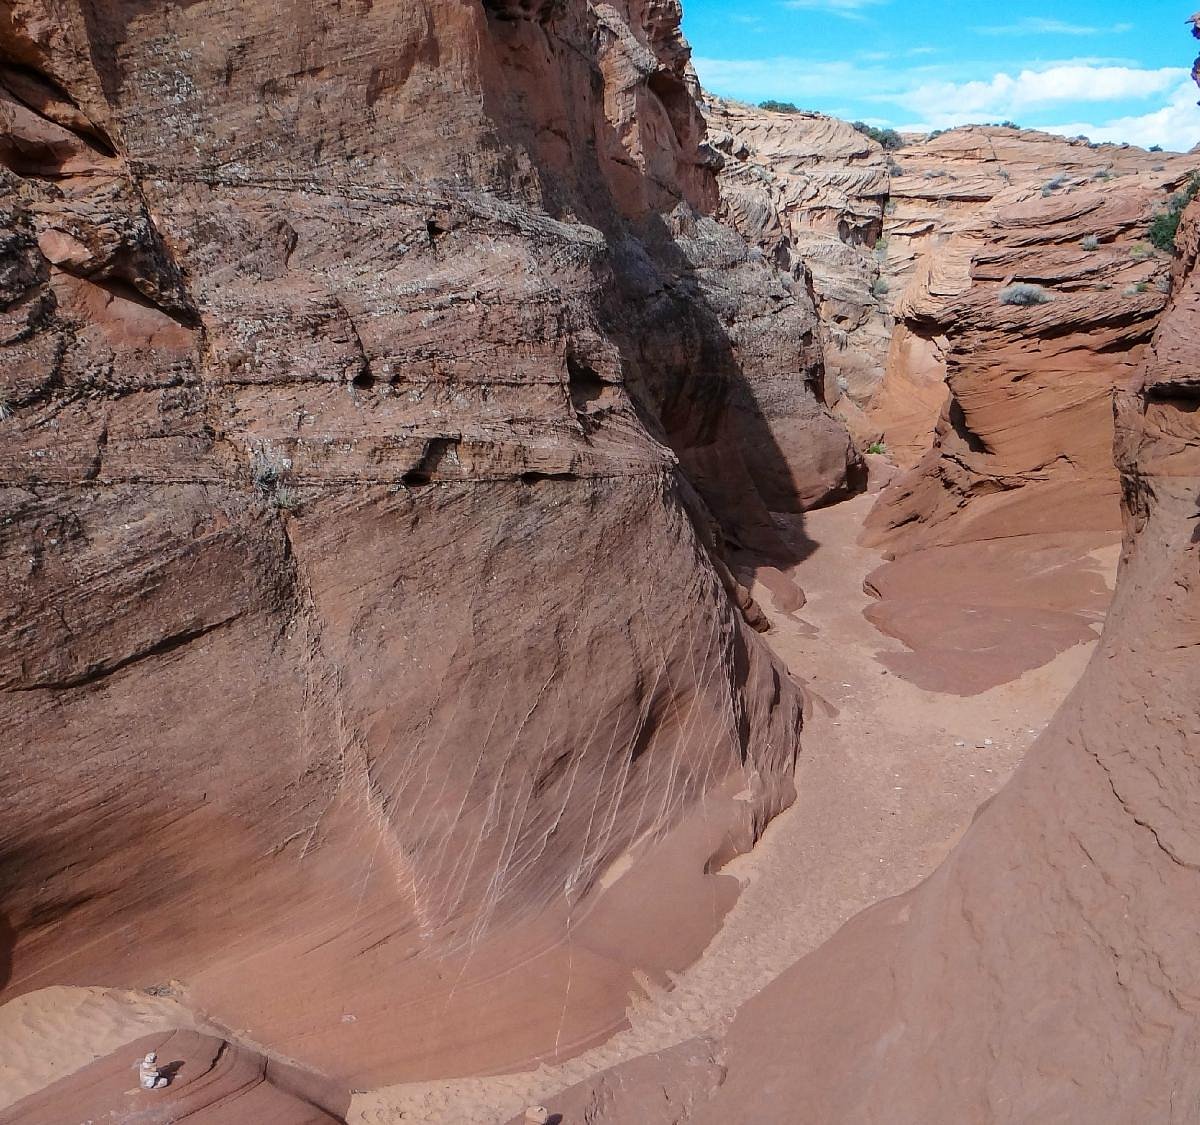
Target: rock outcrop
<point x="1045" y="972"/>
<point x="1024" y="438"/>
<point x="210" y="1082"/>
<point x="905" y="250"/>
<point x="367" y="472"/>
<point x="811" y="192"/>
<point x="1001" y="411"/>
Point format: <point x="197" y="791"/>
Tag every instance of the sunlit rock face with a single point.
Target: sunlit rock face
<point x="906" y="251"/>
<point x="379" y="400"/>
<point x="1044" y="972"/>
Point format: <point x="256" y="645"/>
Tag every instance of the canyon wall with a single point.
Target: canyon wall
<point x="811" y="192"/>
<point x="1005" y="519"/>
<point x="906" y="251"/>
<point x="379" y="399"/>
<point x="1045" y="972"/>
<point x="1023" y="439"/>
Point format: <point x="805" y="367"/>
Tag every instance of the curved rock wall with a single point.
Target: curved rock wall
<point x="1023" y="442"/>
<point x="1046" y="971"/>
<point x="378" y="398"/>
<point x="905" y="251"/>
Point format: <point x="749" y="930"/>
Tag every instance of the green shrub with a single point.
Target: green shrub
<point x="880" y="287"/>
<point x="1163" y="229"/>
<point x="1090" y="242"/>
<point x="1023" y="294"/>
<point x="1165" y="225"/>
<point x="877" y="447"/>
<point x="888" y="138"/>
<point x="779" y="107"/>
<point x="1155" y="148"/>
<point x="1133" y="290"/>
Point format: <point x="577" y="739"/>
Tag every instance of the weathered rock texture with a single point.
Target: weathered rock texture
<point x="1023" y="442"/>
<point x="378" y="402"/>
<point x="1046" y="972"/>
<point x="905" y="251"/>
<point x="211" y="1082"/>
<point x="811" y="191"/>
<point x="1002" y="412"/>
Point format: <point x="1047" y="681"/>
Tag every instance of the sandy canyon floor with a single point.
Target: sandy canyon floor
<point x="890" y="776"/>
<point x="891" y="773"/>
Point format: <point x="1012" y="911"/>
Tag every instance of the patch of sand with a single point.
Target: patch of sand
<point x="890" y="776"/>
<point x="48" y="1034"/>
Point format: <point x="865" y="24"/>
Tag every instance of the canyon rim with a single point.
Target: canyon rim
<point x="441" y="450"/>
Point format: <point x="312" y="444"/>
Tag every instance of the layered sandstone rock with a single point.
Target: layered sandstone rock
<point x="210" y="1081"/>
<point x="367" y="472"/>
<point x="1045" y="972"/>
<point x="811" y="192"/>
<point x="901" y="246"/>
<point x="1023" y="441"/>
<point x="1001" y="411"/>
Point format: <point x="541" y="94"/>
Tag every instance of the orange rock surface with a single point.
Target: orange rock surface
<point x="368" y="470"/>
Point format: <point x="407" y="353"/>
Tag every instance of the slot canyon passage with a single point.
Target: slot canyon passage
<point x="528" y="583"/>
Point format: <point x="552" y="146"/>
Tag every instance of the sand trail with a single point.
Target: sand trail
<point x="890" y="776"/>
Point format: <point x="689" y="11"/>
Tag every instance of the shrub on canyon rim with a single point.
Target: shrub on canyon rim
<point x="1165" y="225"/>
<point x="773" y="106"/>
<point x="1023" y="294"/>
<point x="888" y="138"/>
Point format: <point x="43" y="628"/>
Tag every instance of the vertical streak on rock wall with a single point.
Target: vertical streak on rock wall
<point x="377" y="394"/>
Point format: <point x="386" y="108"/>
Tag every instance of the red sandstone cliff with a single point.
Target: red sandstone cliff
<point x="377" y="396"/>
<point x="1046" y="971"/>
<point x="906" y="251"/>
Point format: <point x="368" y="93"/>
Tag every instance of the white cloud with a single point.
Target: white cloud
<point x="1006" y="96"/>
<point x="847" y="9"/>
<point x="1094" y="96"/>
<point x="1176" y="126"/>
<point x="1038" y="25"/>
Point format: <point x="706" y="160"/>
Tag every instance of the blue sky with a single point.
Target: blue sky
<point x="1115" y="70"/>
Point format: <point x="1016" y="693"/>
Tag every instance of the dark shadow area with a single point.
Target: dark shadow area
<point x="169" y="1070"/>
<point x="309" y="1087"/>
<point x="684" y="306"/>
<point x="8" y="942"/>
